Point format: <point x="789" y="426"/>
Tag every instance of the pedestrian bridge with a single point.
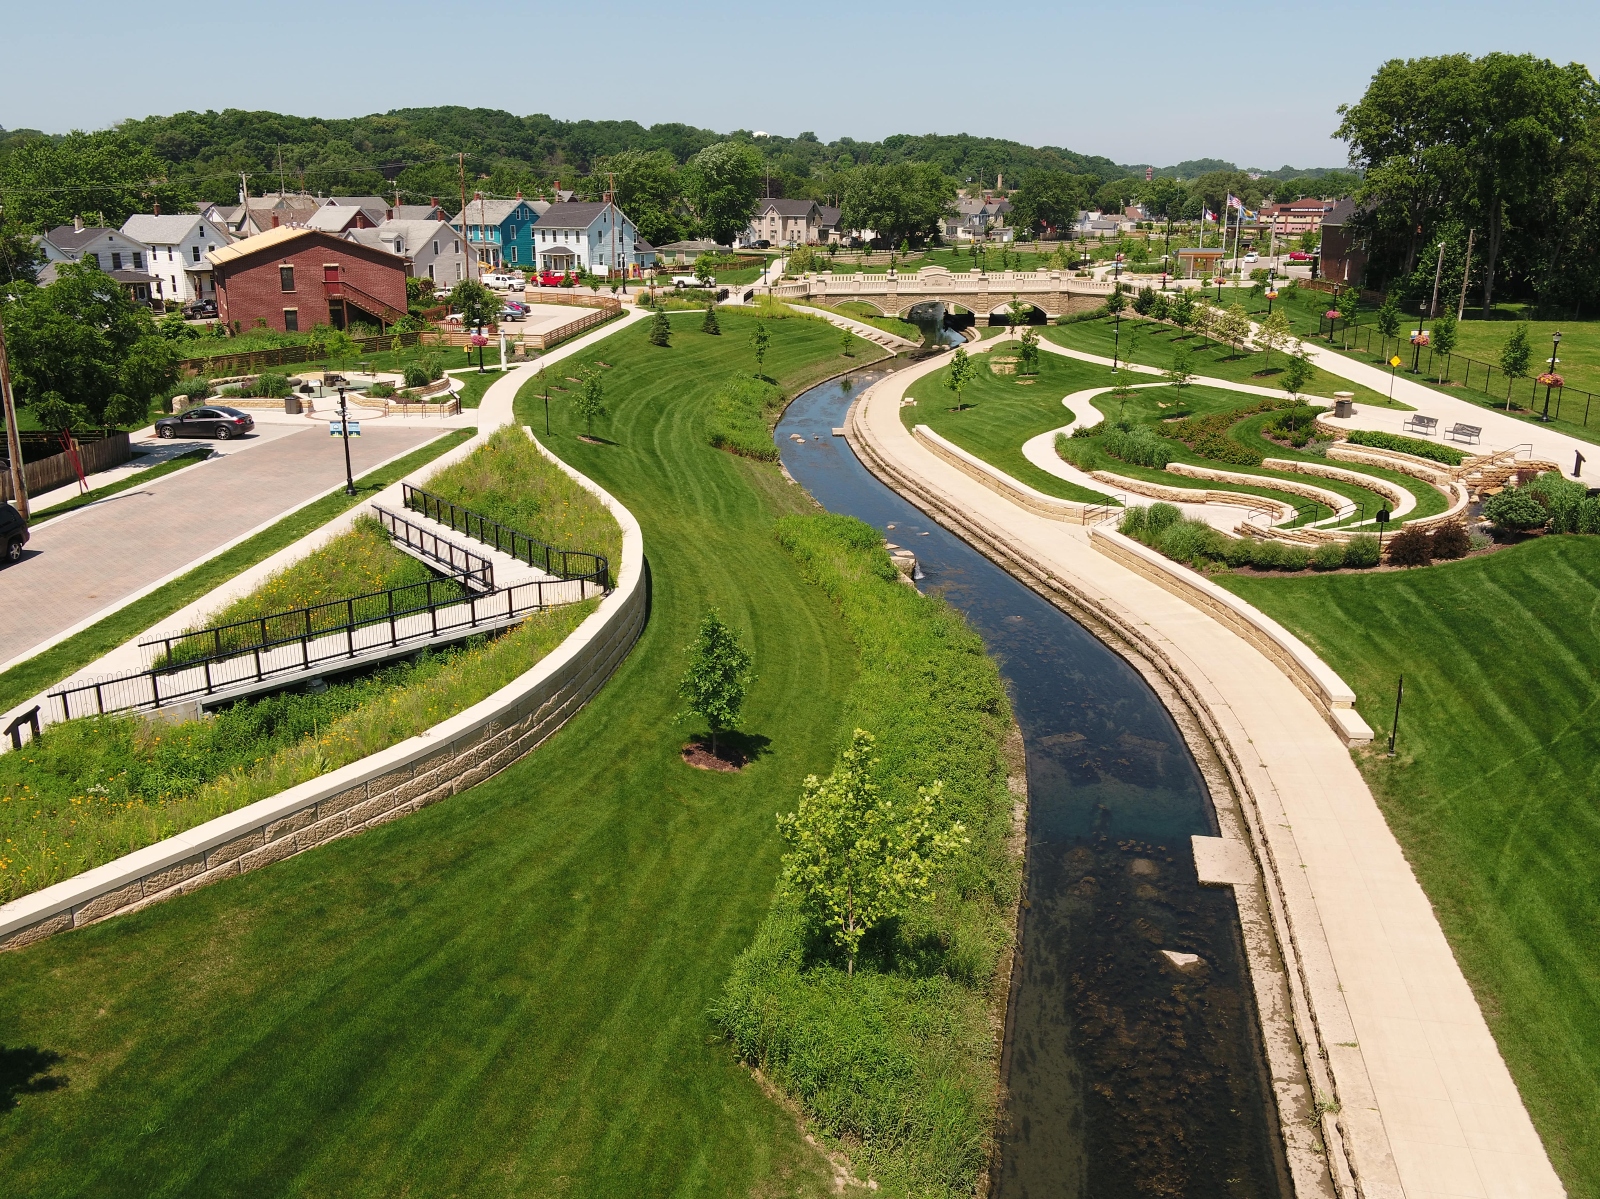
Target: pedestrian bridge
<point x="982" y="293"/>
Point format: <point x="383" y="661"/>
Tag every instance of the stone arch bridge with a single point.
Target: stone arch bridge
<point x="982" y="293"/>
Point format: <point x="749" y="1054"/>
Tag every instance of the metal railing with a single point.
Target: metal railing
<point x="564" y="564"/>
<point x="234" y="657"/>
<point x="473" y="569"/>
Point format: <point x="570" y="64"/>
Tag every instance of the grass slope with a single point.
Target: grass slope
<point x="1000" y="412"/>
<point x="506" y="993"/>
<point x="1493" y="793"/>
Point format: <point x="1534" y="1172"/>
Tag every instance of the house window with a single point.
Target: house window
<point x="458" y="272"/>
<point x="116" y="261"/>
<point x="138" y="260"/>
<point x="513" y="253"/>
<point x="435" y="247"/>
<point x="196" y="253"/>
<point x="286" y="278"/>
<point x="455" y="246"/>
<point x="430" y="270"/>
<point x="291" y="320"/>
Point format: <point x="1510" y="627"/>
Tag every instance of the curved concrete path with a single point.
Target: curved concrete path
<point x="1427" y="1106"/>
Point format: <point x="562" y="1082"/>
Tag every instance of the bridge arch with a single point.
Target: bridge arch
<point x="1000" y="314"/>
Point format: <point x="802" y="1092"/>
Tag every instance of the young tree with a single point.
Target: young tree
<point x="759" y="339"/>
<point x="1298" y="372"/>
<point x="1442" y="338"/>
<point x="1516" y="353"/>
<point x="1145" y="301"/>
<point x="1028" y="352"/>
<point x="960" y="374"/>
<point x="710" y="324"/>
<point x="1181" y="309"/>
<point x="848" y="341"/>
<point x="1273" y="334"/>
<point x="718" y="676"/>
<point x="1017" y="312"/>
<point x="660" y="328"/>
<point x="1233" y="326"/>
<point x="1389" y="317"/>
<point x="590" y="401"/>
<point x="1116" y="301"/>
<point x="705" y="269"/>
<point x="1180" y="372"/>
<point x="856" y="859"/>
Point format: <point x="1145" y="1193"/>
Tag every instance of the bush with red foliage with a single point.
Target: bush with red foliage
<point x="1451" y="541"/>
<point x="1411" y="547"/>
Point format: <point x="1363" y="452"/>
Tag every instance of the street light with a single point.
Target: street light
<point x="1550" y="376"/>
<point x="344" y="428"/>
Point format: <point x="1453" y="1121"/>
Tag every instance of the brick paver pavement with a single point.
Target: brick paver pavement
<point x="79" y="564"/>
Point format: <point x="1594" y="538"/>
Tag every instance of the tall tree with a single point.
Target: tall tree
<point x="1047" y="200"/>
<point x="899" y="201"/>
<point x="648" y="189"/>
<point x="721" y="184"/>
<point x="718" y="676"/>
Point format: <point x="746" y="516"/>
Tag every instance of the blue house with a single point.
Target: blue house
<point x="500" y="232"/>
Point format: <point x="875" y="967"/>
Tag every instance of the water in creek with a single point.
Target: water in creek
<point x="939" y="327"/>
<point x="1125" y="1075"/>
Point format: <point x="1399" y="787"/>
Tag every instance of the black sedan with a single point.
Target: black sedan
<point x="211" y="421"/>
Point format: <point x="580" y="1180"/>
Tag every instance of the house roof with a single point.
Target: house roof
<point x="571" y="215"/>
<point x="377" y="202"/>
<point x="490" y="212"/>
<point x="71" y="240"/>
<point x="829" y="214"/>
<point x="693" y="246"/>
<point x="334" y="218"/>
<point x="160" y="230"/>
<point x="1340" y="213"/>
<point x="418" y="212"/>
<point x="784" y="207"/>
<point x="410" y="235"/>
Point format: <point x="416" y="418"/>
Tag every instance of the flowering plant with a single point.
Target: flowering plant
<point x="1420" y="339"/>
<point x="1550" y="379"/>
<point x="1332" y="314"/>
<point x="477" y="341"/>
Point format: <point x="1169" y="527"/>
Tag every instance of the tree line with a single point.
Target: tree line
<point x="1506" y="146"/>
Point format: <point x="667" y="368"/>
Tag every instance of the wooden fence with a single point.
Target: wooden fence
<point x="95" y="452"/>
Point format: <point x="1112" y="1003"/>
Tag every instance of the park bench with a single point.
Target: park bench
<point x="1426" y="425"/>
<point x="1461" y="432"/>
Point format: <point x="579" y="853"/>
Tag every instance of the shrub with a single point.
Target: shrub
<point x="1361" y="552"/>
<point x="1159" y="518"/>
<point x="1295" y="424"/>
<point x="1407" y="445"/>
<point x="1265" y="555"/>
<point x="1329" y="556"/>
<point x="1191" y="541"/>
<point x="381" y="391"/>
<point x="1515" y="509"/>
<point x="1138" y="445"/>
<point x="1451" y="541"/>
<point x="1294" y="557"/>
<point x="269" y="387"/>
<point x="1561" y="496"/>
<point x="1410" y="547"/>
<point x="1132" y="522"/>
<point x="1208" y="435"/>
<point x="416" y="375"/>
<point x="1238" y="551"/>
<point x="1589" y="515"/>
<point x="740" y="419"/>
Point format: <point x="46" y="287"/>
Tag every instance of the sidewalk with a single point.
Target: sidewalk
<point x="1427" y="1108"/>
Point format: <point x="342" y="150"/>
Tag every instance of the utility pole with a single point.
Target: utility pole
<point x="461" y="163"/>
<point x="1466" y="273"/>
<point x="19" y="485"/>
<point x="280" y="172"/>
<point x="1438" y="271"/>
<point x="611" y="199"/>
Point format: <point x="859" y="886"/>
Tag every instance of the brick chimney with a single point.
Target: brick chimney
<point x="157" y="206"/>
<point x="519" y="195"/>
<point x="77" y="224"/>
<point x="274" y="220"/>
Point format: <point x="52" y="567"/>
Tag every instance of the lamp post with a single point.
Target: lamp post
<point x="344" y="429"/>
<point x="1555" y="344"/>
<point x="1418" y="340"/>
<point x="547" y="409"/>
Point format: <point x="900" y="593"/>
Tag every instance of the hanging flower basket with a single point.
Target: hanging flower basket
<point x="1332" y="314"/>
<point x="1272" y="295"/>
<point x="1419" y="339"/>
<point x="477" y="341"/>
<point x="1552" y="380"/>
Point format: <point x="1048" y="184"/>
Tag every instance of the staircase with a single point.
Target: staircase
<point x="343" y="289"/>
<point x="1488" y="473"/>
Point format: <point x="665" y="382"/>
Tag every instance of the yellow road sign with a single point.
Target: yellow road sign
<point x="1395" y="361"/>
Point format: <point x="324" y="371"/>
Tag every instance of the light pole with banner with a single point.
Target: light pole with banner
<point x="344" y="431"/>
<point x="1550" y="378"/>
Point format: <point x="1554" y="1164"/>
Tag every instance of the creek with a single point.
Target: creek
<point x="1124" y="1075"/>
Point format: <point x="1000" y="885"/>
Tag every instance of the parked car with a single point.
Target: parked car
<point x="211" y="421"/>
<point x="690" y="281"/>
<point x="1251" y="257"/>
<point x="1299" y="256"/>
<point x="761" y="244"/>
<point x="13" y="534"/>
<point x="555" y="278"/>
<point x="503" y="282"/>
<point x="508" y="313"/>
<point x="200" y="309"/>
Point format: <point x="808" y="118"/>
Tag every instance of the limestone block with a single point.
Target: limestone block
<point x="292" y="823"/>
<point x="432" y="762"/>
<point x="443" y="791"/>
<point x="240" y="845"/>
<point x="389" y="782"/>
<point x="342" y="801"/>
<point x="375" y="806"/>
<point x="228" y="869"/>
<point x="504" y="758"/>
<point x="394" y="813"/>
<point x="158" y="881"/>
<point x="107" y="902"/>
<point x="272" y="851"/>
<point x="471" y="778"/>
<point x="37" y="931"/>
<point x="490" y="747"/>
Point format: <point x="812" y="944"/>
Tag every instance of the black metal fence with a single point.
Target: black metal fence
<point x="472" y="569"/>
<point x="1458" y="368"/>
<point x="564" y="564"/>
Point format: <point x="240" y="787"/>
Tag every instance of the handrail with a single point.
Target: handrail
<point x="14" y="729"/>
<point x="470" y="567"/>
<point x="1487" y="461"/>
<point x="564" y="564"/>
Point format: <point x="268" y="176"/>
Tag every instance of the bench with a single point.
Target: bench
<point x="1461" y="432"/>
<point x="1426" y="425"/>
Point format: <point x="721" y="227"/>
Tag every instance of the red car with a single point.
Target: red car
<point x="1299" y="256"/>
<point x="553" y="278"/>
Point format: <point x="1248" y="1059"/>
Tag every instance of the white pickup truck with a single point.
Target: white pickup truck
<point x="504" y="282"/>
<point x="690" y="281"/>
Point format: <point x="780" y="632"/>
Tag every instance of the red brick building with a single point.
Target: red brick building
<point x="296" y="278"/>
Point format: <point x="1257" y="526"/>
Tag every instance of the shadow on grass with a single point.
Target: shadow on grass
<point x="25" y="1070"/>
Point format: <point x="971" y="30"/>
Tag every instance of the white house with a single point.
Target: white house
<point x="124" y="258"/>
<point x="178" y="248"/>
<point x="593" y="237"/>
<point x="436" y="250"/>
<point x="781" y="222"/>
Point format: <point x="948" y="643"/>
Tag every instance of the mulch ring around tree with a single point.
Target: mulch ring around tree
<point x="726" y="759"/>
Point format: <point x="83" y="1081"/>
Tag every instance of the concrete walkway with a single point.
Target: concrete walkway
<point x="1427" y="1107"/>
<point x="891" y="341"/>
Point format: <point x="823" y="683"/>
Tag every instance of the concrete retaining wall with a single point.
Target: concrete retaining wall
<point x="457" y="754"/>
<point x="996" y="480"/>
<point x="1320" y="683"/>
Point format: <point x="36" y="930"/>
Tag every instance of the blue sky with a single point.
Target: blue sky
<point x="1160" y="82"/>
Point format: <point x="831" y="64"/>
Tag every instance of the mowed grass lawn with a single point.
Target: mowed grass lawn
<point x="1000" y="412"/>
<point x="1493" y="794"/>
<point x="507" y="993"/>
